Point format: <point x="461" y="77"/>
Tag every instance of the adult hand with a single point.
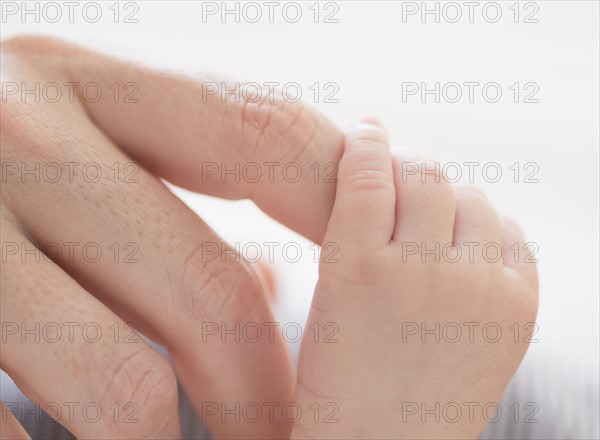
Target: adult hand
<point x="173" y="130"/>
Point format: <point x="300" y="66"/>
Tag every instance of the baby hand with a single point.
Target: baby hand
<point x="423" y="302"/>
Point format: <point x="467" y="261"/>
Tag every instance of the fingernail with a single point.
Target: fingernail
<point x="370" y="121"/>
<point x="366" y="123"/>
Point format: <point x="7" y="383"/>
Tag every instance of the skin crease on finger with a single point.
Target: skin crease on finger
<point x="204" y="129"/>
<point x="190" y="291"/>
<point x="295" y="133"/>
<point x="215" y="132"/>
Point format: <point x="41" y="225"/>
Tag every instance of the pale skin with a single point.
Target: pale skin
<point x="174" y="288"/>
<point x="378" y="378"/>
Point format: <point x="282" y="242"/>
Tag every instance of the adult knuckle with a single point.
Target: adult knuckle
<point x="215" y="286"/>
<point x="270" y="117"/>
<point x="144" y="386"/>
<point x="273" y="127"/>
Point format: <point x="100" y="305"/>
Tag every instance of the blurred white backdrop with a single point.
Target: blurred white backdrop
<point x="369" y="53"/>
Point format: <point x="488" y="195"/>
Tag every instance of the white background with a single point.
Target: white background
<point x="369" y="53"/>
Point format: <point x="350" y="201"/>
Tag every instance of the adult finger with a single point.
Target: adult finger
<point x="214" y="143"/>
<point x="95" y="377"/>
<point x="152" y="260"/>
<point x="10" y="428"/>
